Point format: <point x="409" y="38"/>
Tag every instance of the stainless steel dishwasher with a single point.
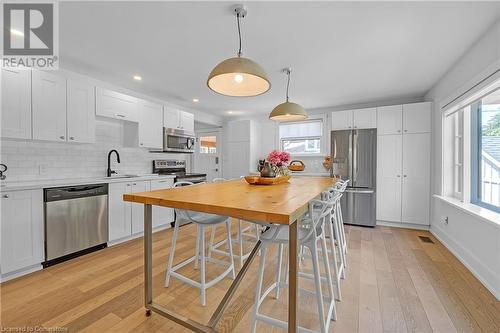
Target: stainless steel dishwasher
<point x="76" y="221"/>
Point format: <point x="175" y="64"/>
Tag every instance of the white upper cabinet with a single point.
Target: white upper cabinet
<point x="186" y="121"/>
<point x="358" y="118"/>
<point x="22" y="230"/>
<point x="177" y="119"/>
<point x="364" y="118"/>
<point x="16" y="103"/>
<point x="342" y="120"/>
<point x="170" y="118"/>
<point x="80" y="112"/>
<point x="116" y="105"/>
<point x="389" y="119"/>
<point x="150" y="125"/>
<point x="417" y="117"/>
<point x="49" y="106"/>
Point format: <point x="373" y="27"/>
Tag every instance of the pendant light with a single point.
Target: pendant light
<point x="288" y="111"/>
<point x="239" y="76"/>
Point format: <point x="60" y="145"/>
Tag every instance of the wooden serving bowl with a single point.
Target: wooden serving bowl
<point x="258" y="180"/>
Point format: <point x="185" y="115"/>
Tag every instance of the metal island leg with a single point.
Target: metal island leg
<point x="293" y="277"/>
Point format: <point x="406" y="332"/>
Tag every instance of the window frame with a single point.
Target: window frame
<point x="458" y="155"/>
<point x="476" y="156"/>
<point x="322" y="138"/>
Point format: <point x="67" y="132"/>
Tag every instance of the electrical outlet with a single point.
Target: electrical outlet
<point x="446" y="220"/>
<point x="43" y="169"/>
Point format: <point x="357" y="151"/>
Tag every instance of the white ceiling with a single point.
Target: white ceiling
<point x="341" y="53"/>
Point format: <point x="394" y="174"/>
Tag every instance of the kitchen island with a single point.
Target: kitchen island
<point x="280" y="204"/>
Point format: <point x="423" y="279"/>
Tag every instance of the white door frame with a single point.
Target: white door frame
<point x="220" y="146"/>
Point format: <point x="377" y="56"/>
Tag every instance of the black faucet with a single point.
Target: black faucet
<point x="109" y="171"/>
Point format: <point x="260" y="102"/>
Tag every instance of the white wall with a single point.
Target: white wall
<point x="474" y="241"/>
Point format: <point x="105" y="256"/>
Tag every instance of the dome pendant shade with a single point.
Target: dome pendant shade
<point x="288" y="111"/>
<point x="239" y="77"/>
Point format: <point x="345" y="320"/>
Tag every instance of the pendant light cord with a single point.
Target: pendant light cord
<point x="287" y="83"/>
<point x="239" y="33"/>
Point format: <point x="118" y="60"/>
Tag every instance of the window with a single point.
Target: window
<point x="471" y="150"/>
<point x="208" y="144"/>
<point x="301" y="138"/>
<point x="485" y="119"/>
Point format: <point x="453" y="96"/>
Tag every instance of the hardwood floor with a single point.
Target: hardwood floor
<point x="395" y="283"/>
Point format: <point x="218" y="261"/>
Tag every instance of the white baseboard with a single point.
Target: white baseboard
<point x="20" y="272"/>
<point x="472" y="263"/>
<point x="403" y="225"/>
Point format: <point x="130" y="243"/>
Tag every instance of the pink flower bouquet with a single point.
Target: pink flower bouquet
<point x="279" y="160"/>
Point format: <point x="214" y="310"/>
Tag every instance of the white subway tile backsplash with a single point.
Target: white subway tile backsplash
<point x="70" y="160"/>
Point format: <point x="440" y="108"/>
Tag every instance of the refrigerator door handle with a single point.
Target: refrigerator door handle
<point x="355" y="146"/>
<point x="350" y="174"/>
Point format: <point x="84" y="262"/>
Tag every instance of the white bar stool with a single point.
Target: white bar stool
<point x="251" y="232"/>
<point x="310" y="232"/>
<point x="201" y="220"/>
<point x="340" y="187"/>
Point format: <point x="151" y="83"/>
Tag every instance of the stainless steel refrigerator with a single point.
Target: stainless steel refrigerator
<point x="354" y="157"/>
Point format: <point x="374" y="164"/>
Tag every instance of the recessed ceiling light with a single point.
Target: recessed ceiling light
<point x="16" y="32"/>
<point x="196" y="100"/>
<point x="137" y="77"/>
<point x="230" y="112"/>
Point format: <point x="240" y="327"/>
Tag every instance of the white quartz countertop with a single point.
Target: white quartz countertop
<point x="47" y="183"/>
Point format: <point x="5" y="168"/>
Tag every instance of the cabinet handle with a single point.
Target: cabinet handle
<point x="136" y="184"/>
<point x="119" y="115"/>
<point x="61" y="137"/>
<point x="399" y="131"/>
<point x="141" y="144"/>
<point x="404" y="176"/>
<point x="6" y="196"/>
<point x="128" y="184"/>
<point x="406" y="131"/>
<point x="398" y="176"/>
<point x="72" y="138"/>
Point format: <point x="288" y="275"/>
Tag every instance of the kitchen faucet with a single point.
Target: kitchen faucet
<point x="3" y="168"/>
<point x="109" y="171"/>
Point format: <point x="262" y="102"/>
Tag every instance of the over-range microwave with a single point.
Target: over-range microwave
<point x="178" y="141"/>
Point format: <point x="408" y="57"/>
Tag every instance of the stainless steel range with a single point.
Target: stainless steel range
<point x="178" y="169"/>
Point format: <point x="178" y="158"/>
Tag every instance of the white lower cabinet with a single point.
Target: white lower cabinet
<point x="138" y="209"/>
<point x="125" y="218"/>
<point x="22" y="232"/>
<point x="162" y="215"/>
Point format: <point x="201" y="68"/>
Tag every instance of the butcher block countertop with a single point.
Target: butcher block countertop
<point x="282" y="204"/>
